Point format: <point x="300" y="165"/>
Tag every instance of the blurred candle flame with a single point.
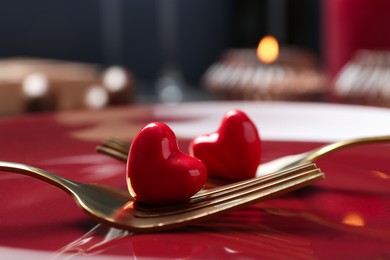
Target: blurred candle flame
<point x="268" y="49"/>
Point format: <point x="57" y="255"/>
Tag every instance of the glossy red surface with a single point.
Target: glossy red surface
<point x="158" y="172"/>
<point x="232" y="152"/>
<point x="346" y="216"/>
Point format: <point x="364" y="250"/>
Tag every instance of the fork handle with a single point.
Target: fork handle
<point x="321" y="151"/>
<point x="62" y="183"/>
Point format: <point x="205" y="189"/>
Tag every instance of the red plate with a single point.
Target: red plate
<point x="345" y="216"/>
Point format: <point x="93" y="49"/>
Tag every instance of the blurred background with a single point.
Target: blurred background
<point x="58" y="55"/>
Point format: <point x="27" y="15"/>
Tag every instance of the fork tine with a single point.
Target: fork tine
<point x="112" y="152"/>
<point x="116" y="144"/>
<point x="256" y="189"/>
<point x="257" y="181"/>
<point x="115" y="148"/>
<point x="272" y="189"/>
<point x="119" y="143"/>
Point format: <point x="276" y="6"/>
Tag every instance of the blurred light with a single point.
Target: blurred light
<point x="96" y="97"/>
<point x="35" y="85"/>
<point x="171" y="94"/>
<point x="381" y="175"/>
<point x="268" y="49"/>
<point x="115" y="79"/>
<point x="353" y="219"/>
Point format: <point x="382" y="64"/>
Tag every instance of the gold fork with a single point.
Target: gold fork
<point x="119" y="149"/>
<point x="115" y="207"/>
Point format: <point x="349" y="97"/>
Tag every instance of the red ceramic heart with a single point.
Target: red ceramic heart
<point x="233" y="152"/>
<point x="158" y="172"/>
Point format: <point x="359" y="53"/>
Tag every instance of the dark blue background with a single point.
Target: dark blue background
<point x="72" y="30"/>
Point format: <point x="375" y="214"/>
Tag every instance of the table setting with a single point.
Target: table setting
<point x="319" y="221"/>
<point x="260" y="131"/>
